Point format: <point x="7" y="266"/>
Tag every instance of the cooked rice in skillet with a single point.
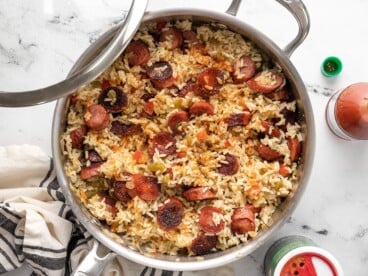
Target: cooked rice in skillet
<point x="215" y="147"/>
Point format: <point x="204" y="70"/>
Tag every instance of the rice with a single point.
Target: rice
<point x="206" y="152"/>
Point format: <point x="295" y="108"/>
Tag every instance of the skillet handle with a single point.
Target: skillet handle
<point x="300" y="13"/>
<point x="93" y="264"/>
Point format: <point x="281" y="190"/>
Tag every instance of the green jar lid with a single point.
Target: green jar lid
<point x="331" y="66"/>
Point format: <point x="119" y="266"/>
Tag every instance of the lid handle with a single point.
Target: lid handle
<point x="87" y="73"/>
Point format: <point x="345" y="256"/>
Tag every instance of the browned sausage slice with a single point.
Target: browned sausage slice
<point x="77" y="137"/>
<point x="90" y="171"/>
<point x="203" y="245"/>
<point x="170" y="214"/>
<point x="230" y="166"/>
<point x="295" y="148"/>
<point x="266" y="81"/>
<point x="147" y="96"/>
<point x="190" y="36"/>
<point x="96" y="117"/>
<point x="210" y="80"/>
<point x="245" y="212"/>
<point x="121" y="191"/>
<point x="199" y="193"/>
<point x="94" y="157"/>
<point x="244" y="69"/>
<point x="160" y="73"/>
<point x="242" y="226"/>
<point x="238" y="119"/>
<point x="174" y="36"/>
<point x="189" y="88"/>
<point x="176" y="118"/>
<point x="110" y="203"/>
<point x="242" y="220"/>
<point x="199" y="108"/>
<point x="146" y="187"/>
<point x="208" y="221"/>
<point x="267" y="153"/>
<point x="137" y="53"/>
<point x="124" y="129"/>
<point x="279" y="95"/>
<point x="113" y="99"/>
<point x="270" y="129"/>
<point x="164" y="142"/>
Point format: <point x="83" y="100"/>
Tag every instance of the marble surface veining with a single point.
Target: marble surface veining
<point x="40" y="40"/>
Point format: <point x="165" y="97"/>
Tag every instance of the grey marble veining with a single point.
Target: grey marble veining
<point x="42" y="39"/>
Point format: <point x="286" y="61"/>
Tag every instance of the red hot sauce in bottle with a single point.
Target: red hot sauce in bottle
<point x="347" y="112"/>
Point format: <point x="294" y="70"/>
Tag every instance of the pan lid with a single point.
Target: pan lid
<point x="44" y="38"/>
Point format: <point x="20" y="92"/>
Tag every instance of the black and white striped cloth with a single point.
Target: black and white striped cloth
<point x="39" y="230"/>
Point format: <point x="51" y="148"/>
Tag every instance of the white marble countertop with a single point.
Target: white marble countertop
<point x="333" y="210"/>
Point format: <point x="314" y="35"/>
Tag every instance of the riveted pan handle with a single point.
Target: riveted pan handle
<point x="300" y="13"/>
<point x="93" y="264"/>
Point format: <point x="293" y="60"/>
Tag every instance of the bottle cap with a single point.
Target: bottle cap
<point x="331" y="66"/>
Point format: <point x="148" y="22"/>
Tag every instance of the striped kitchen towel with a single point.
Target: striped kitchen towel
<point x="39" y="230"/>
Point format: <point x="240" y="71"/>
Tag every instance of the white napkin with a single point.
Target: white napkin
<point x="39" y="229"/>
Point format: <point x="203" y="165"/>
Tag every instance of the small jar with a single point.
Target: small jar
<point x="347" y="112"/>
<point x="298" y="255"/>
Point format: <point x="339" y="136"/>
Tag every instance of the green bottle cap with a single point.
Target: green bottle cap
<point x="331" y="66"/>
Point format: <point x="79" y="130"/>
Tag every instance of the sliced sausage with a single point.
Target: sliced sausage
<point x="161" y="74"/>
<point x="210" y="80"/>
<point x="238" y="119"/>
<point x="190" y="36"/>
<point x="170" y="214"/>
<point x="208" y="221"/>
<point x="242" y="226"/>
<point x="199" y="108"/>
<point x="244" y="69"/>
<point x="124" y="129"/>
<point x="203" y="245"/>
<point x="290" y="116"/>
<point x="110" y="203"/>
<point x="189" y="88"/>
<point x="105" y="84"/>
<point x="146" y="187"/>
<point x="295" y="148"/>
<point x="174" y="36"/>
<point x="176" y="118"/>
<point x="73" y="99"/>
<point x="266" y="81"/>
<point x="245" y="212"/>
<point x="199" y="193"/>
<point x="96" y="117"/>
<point x="113" y="99"/>
<point x="164" y="142"/>
<point x="270" y="130"/>
<point x="230" y="166"/>
<point x="279" y="95"/>
<point x="147" y="96"/>
<point x="77" y="136"/>
<point x="93" y="156"/>
<point x="160" y="25"/>
<point x="137" y="53"/>
<point x="242" y="220"/>
<point x="267" y="153"/>
<point x="121" y="191"/>
<point x="90" y="171"/>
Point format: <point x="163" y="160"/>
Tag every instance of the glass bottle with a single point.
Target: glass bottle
<point x="347" y="112"/>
